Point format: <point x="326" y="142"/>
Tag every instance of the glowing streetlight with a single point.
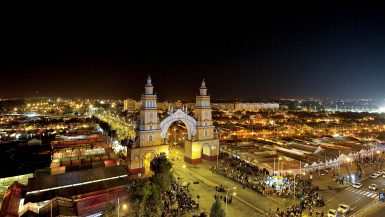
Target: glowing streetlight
<point x="124" y="206"/>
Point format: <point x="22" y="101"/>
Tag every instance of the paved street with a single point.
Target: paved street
<point x="357" y="199"/>
<point x="247" y="202"/>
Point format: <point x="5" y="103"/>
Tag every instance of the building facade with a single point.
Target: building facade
<point x="131" y="105"/>
<point x="240" y="106"/>
<point x="151" y="132"/>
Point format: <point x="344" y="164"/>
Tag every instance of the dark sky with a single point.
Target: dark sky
<point x="260" y="54"/>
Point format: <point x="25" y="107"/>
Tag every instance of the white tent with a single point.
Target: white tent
<point x="306" y="165"/>
<point x="314" y="164"/>
<point x="318" y="150"/>
<point x="342" y="157"/>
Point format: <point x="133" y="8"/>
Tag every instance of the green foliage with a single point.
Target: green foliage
<point x="127" y="142"/>
<point x="162" y="180"/>
<point x="110" y="210"/>
<point x="216" y="209"/>
<point x="147" y="199"/>
<point x="161" y="167"/>
<point x="147" y="195"/>
<point x="161" y="164"/>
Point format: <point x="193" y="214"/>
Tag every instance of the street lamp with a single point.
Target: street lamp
<point x="124" y="206"/>
<point x="227" y="198"/>
<point x="347" y="166"/>
<point x="295" y="174"/>
<point x="279" y="159"/>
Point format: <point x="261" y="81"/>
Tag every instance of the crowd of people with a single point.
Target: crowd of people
<point x="296" y="210"/>
<point x="178" y="201"/>
<point x="259" y="180"/>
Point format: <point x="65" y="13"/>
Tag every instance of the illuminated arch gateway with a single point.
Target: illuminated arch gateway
<point x="201" y="142"/>
<point x="179" y="115"/>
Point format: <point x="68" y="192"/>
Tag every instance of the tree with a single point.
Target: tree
<point x="147" y="199"/>
<point x="160" y="164"/>
<point x="110" y="210"/>
<point x="147" y="195"/>
<point x="216" y="209"/>
<point x="161" y="167"/>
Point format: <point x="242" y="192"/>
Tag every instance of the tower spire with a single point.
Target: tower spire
<point x="149" y="89"/>
<point x="203" y="88"/>
<point x="149" y="80"/>
<point x="203" y="84"/>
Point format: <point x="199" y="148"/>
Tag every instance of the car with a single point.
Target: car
<point x="378" y="173"/>
<point x="357" y="185"/>
<point x="332" y="213"/>
<point x="324" y="172"/>
<point x="374" y="176"/>
<point x="196" y="182"/>
<point x="373" y="187"/>
<point x="343" y="208"/>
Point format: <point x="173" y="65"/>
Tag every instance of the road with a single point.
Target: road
<point x="357" y="199"/>
<point x="246" y="201"/>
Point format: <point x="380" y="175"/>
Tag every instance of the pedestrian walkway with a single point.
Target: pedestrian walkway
<point x="362" y="192"/>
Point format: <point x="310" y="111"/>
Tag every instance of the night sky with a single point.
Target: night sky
<point x="265" y="53"/>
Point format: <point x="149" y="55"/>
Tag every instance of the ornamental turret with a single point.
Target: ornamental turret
<point x="203" y="89"/>
<point x="148" y="88"/>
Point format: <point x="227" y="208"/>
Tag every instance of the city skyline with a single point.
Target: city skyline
<point x="315" y="52"/>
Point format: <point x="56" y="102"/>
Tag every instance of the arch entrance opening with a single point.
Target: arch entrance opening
<point x="147" y="158"/>
<point x="179" y="116"/>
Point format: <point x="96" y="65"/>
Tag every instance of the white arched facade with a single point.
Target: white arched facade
<point x="179" y="115"/>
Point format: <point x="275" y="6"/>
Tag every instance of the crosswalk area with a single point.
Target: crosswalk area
<point x="363" y="192"/>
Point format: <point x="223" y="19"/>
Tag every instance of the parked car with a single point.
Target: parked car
<point x="374" y="176"/>
<point x="357" y="185"/>
<point x="343" y="208"/>
<point x="332" y="213"/>
<point x="373" y="187"/>
<point x="378" y="173"/>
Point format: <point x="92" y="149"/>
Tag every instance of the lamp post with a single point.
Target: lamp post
<point x="227" y="198"/>
<point x="347" y="166"/>
<point x="295" y="174"/>
<point x="124" y="206"/>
